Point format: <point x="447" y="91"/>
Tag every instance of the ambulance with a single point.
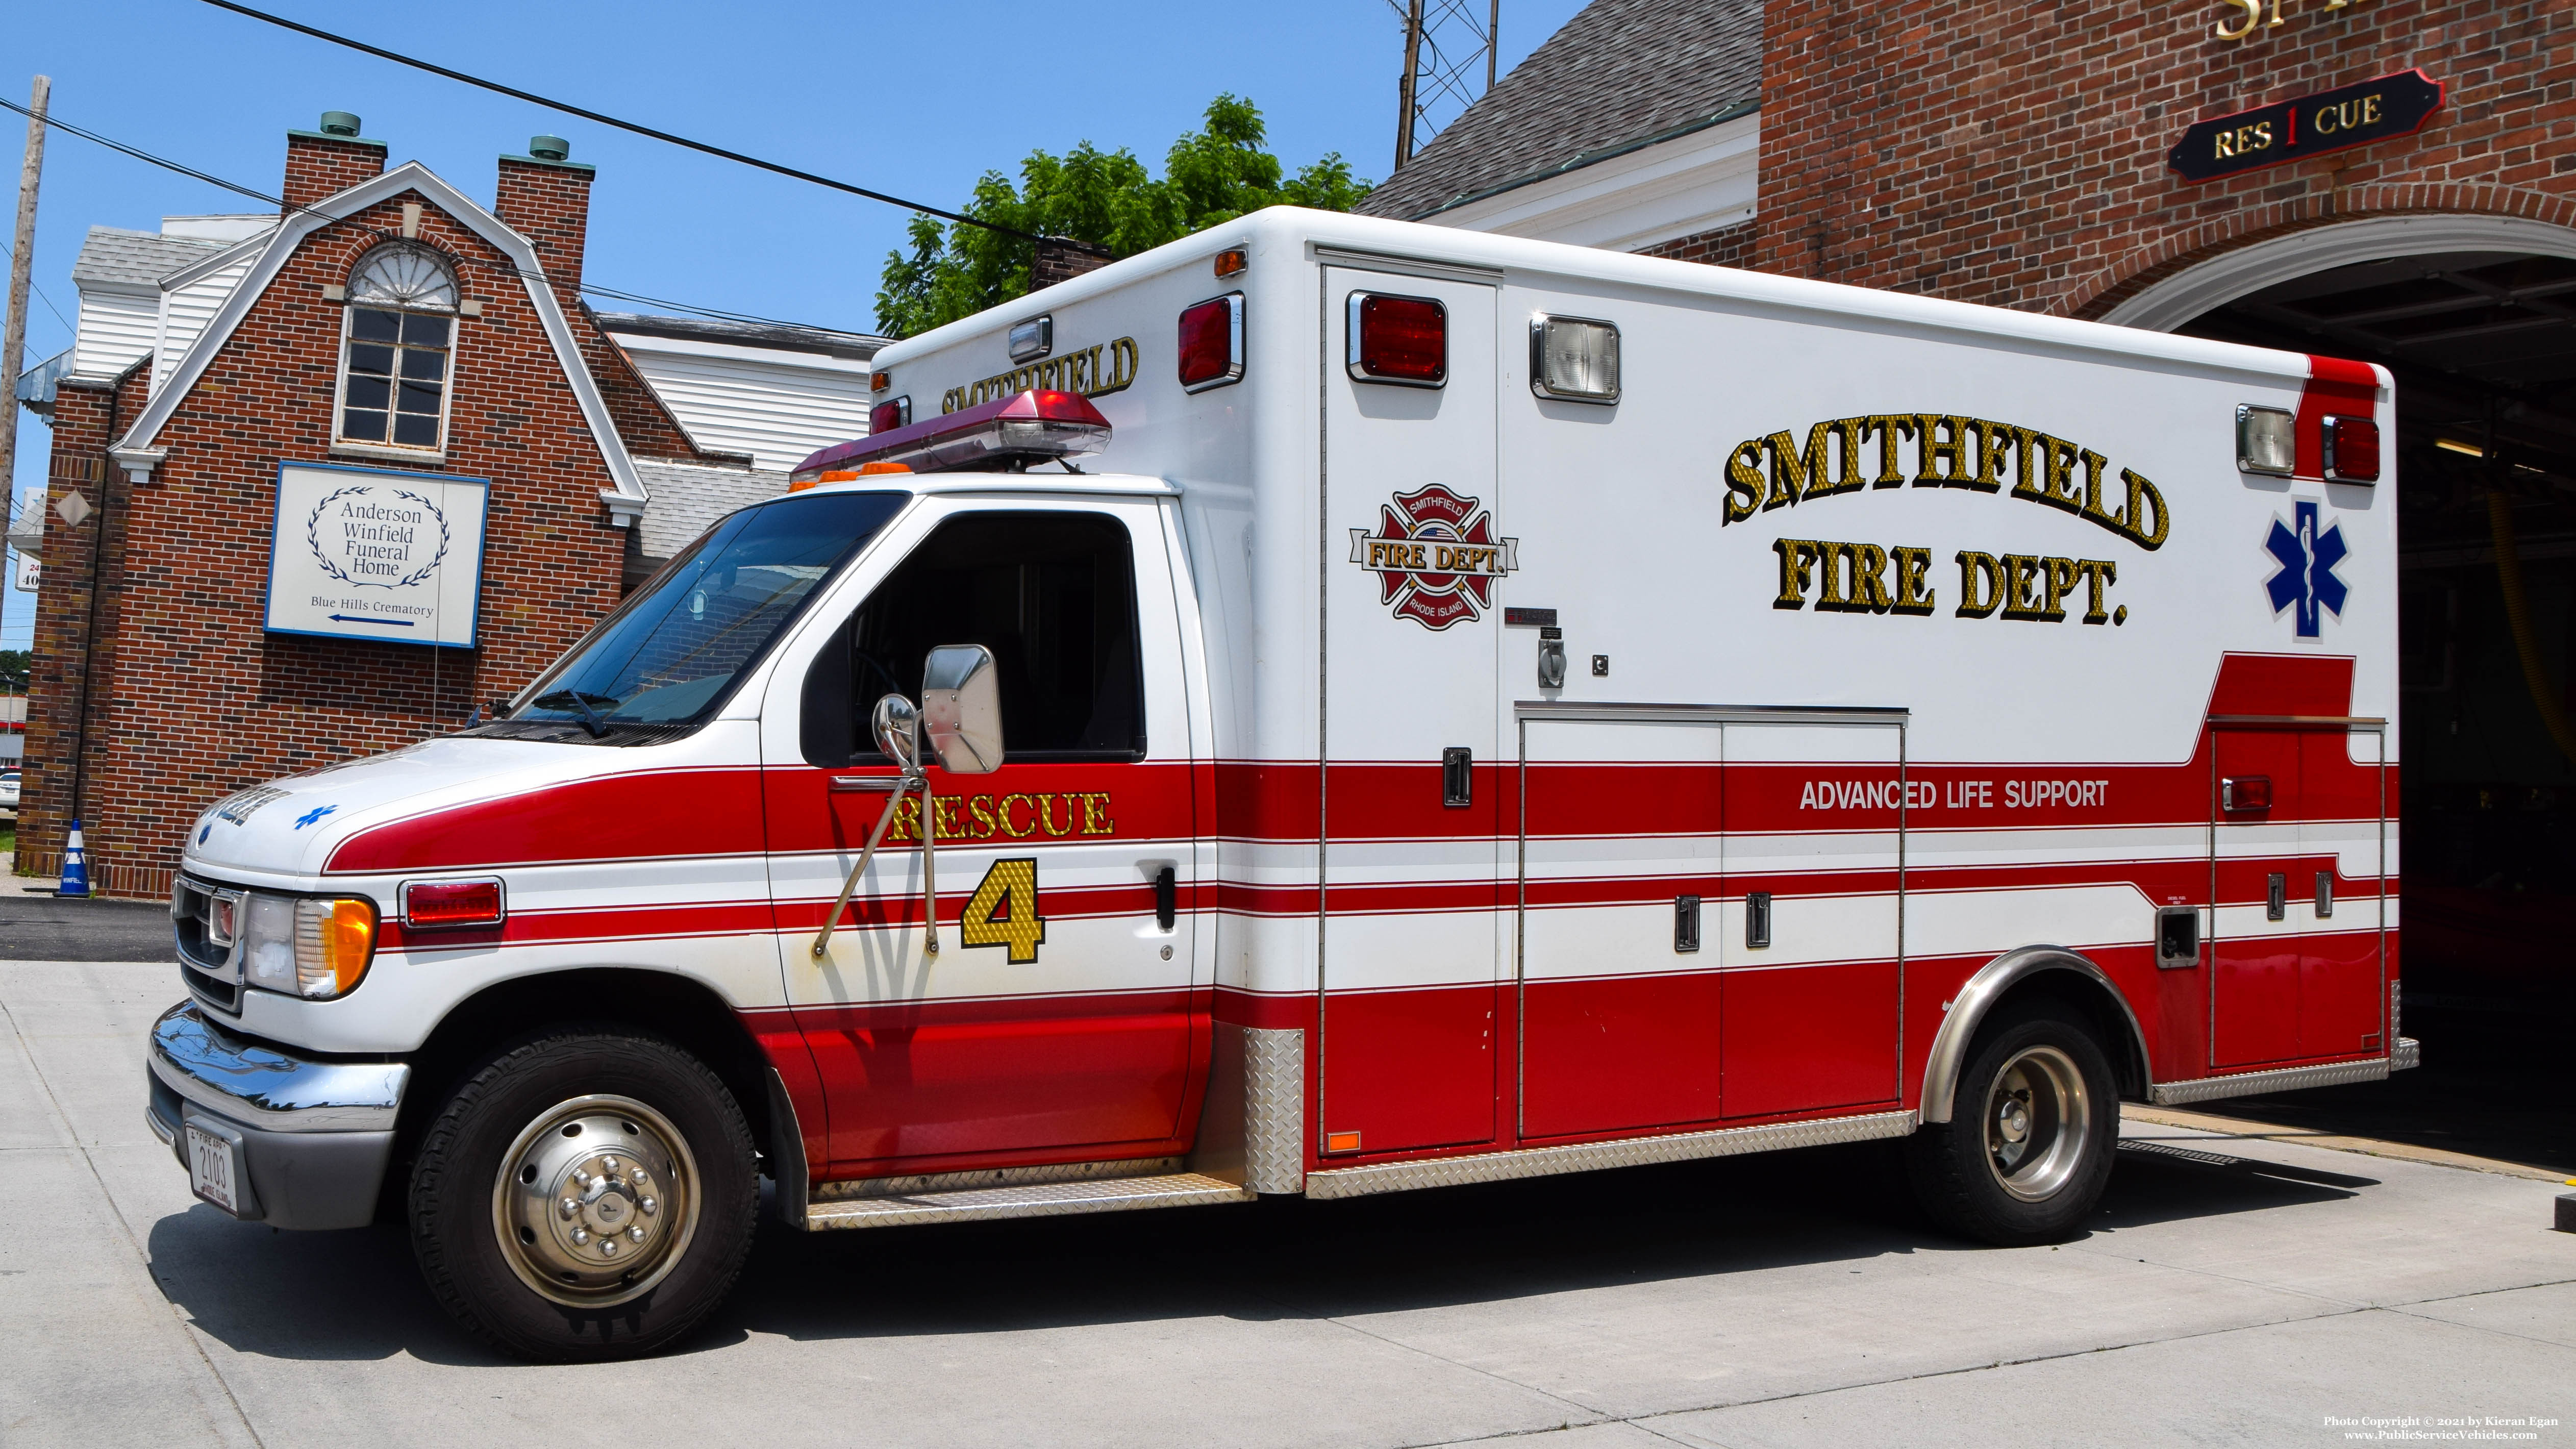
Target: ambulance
<point x="1336" y="706"/>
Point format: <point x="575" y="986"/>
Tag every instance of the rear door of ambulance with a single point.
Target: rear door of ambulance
<point x="1412" y="796"/>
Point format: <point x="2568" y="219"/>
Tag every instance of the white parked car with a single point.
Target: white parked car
<point x="8" y="790"/>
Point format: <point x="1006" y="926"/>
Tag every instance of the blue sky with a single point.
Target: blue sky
<point x="915" y="100"/>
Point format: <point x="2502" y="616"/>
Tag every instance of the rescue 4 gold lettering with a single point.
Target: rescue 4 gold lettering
<point x="1046" y="816"/>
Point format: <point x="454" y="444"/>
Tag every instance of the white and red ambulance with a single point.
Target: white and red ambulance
<point x="1337" y="706"/>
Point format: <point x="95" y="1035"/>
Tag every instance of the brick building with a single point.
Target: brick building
<point x="399" y="339"/>
<point x="2060" y="158"/>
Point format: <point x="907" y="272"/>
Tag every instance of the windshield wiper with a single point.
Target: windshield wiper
<point x="579" y="703"/>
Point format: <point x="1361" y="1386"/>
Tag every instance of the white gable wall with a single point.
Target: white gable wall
<point x="187" y="306"/>
<point x="117" y="329"/>
<point x="778" y="406"/>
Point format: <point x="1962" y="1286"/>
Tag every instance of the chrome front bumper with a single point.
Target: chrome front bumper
<point x="314" y="1136"/>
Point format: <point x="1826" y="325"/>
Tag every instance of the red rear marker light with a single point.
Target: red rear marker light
<point x="1402" y="340"/>
<point x="1004" y="435"/>
<point x="1212" y="343"/>
<point x="889" y="415"/>
<point x="2352" y="450"/>
<point x="433" y="905"/>
<point x="2239" y="793"/>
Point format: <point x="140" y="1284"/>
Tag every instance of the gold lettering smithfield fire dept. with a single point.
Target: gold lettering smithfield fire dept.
<point x="1863" y="578"/>
<point x="1041" y="816"/>
<point x="1938" y="450"/>
<point x="1092" y="372"/>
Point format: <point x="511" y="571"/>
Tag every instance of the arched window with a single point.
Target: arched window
<point x="393" y="376"/>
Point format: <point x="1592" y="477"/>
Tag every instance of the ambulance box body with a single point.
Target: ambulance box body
<point x="1372" y="706"/>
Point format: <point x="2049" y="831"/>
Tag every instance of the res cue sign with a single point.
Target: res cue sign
<point x="2335" y="120"/>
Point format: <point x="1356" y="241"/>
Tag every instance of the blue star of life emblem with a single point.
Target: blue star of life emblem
<point x="2307" y="579"/>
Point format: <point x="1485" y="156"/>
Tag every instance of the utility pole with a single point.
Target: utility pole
<point x="1404" y="111"/>
<point x="13" y="339"/>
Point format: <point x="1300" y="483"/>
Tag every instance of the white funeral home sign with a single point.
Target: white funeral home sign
<point x="364" y="553"/>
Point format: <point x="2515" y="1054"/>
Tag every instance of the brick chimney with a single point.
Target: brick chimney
<point x="546" y="198"/>
<point x="331" y="160"/>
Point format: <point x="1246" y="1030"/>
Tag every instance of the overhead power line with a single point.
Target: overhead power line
<point x="57" y="123"/>
<point x="570" y="109"/>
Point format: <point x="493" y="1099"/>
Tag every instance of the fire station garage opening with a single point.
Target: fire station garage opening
<point x="2483" y="348"/>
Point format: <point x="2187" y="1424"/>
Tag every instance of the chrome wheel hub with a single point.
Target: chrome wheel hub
<point x="2039" y="1121"/>
<point x="595" y="1201"/>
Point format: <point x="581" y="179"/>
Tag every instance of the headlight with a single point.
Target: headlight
<point x="312" y="948"/>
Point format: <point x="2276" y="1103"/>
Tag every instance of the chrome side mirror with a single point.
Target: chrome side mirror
<point x="961" y="708"/>
<point x="898" y="730"/>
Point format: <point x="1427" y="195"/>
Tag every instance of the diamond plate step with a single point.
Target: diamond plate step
<point x="1037" y="1200"/>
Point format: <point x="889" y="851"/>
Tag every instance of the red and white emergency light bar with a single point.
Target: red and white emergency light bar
<point x="1007" y="434"/>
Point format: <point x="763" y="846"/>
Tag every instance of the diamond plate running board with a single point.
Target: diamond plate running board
<point x="1586" y="1156"/>
<point x="1037" y="1200"/>
<point x="2285" y="1079"/>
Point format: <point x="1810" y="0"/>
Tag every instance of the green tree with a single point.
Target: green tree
<point x="1107" y="198"/>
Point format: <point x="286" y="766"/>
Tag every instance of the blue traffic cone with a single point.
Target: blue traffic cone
<point x="75" y="866"/>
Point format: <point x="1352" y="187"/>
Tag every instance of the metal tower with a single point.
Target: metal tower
<point x="1446" y="44"/>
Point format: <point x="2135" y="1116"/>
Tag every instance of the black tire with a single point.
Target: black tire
<point x="700" y="1202"/>
<point x="1976" y="1179"/>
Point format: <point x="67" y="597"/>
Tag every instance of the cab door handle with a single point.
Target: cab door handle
<point x="1167" y="897"/>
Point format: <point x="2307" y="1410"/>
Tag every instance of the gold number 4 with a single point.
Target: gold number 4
<point x="1004" y="911"/>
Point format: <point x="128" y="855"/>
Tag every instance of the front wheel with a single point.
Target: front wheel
<point x="2027" y="1150"/>
<point x="584" y="1196"/>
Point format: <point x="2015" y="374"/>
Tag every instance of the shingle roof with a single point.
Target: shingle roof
<point x="1622" y="72"/>
<point x="136" y="260"/>
<point x="850" y="346"/>
<point x="688" y="498"/>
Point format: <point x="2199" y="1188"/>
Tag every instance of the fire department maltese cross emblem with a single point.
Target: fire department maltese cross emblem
<point x="1435" y="557"/>
<point x="2307" y="580"/>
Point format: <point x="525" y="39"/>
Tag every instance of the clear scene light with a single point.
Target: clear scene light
<point x="2266" y="441"/>
<point x="1033" y="339"/>
<point x="1574" y="358"/>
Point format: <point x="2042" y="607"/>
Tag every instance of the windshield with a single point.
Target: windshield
<point x="671" y="655"/>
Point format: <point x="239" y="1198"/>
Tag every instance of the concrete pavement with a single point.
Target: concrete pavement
<point x="2234" y="1291"/>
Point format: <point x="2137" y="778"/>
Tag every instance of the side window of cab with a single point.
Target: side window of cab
<point x="1052" y="594"/>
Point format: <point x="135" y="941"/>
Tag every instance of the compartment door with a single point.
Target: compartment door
<point x="2297" y="841"/>
<point x="2257" y="921"/>
<point x="2343" y="995"/>
<point x="1411" y="910"/>
<point x="1815" y="841"/>
<point x="1619" y="890"/>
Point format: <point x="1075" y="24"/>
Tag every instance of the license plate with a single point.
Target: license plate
<point x="210" y="1169"/>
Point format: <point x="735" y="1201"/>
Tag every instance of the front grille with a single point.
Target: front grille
<point x="204" y="967"/>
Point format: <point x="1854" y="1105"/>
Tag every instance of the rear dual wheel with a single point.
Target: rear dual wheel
<point x="585" y="1196"/>
<point x="2027" y="1150"/>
